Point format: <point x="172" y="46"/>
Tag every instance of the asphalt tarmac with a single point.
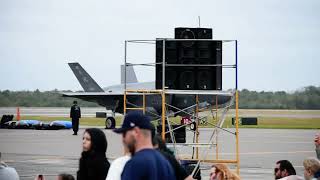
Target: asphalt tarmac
<point x="51" y="152"/>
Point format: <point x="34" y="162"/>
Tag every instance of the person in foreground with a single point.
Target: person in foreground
<point x="311" y="169"/>
<point x="93" y="163"/>
<point x="7" y="172"/>
<point x="222" y="172"/>
<point x="145" y="163"/>
<point x="179" y="171"/>
<point x="117" y="165"/>
<point x="317" y="144"/>
<point x="285" y="171"/>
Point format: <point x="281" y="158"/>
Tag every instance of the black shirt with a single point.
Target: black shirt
<point x="179" y="171"/>
<point x="75" y="112"/>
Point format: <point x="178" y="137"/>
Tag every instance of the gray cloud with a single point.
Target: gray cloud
<point x="278" y="40"/>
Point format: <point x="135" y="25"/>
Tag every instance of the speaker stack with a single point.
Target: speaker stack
<point x="192" y="53"/>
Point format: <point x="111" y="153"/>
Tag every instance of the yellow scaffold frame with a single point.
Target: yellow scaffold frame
<point x="163" y="92"/>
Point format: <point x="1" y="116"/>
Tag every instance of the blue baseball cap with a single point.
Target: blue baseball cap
<point x="135" y="119"/>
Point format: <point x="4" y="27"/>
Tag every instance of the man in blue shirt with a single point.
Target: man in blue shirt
<point x="146" y="163"/>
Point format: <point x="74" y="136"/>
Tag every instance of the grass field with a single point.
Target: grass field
<point x="282" y="123"/>
<point x="263" y="122"/>
<point x="276" y="112"/>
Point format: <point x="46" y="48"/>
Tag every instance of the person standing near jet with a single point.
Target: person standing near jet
<point x="75" y="115"/>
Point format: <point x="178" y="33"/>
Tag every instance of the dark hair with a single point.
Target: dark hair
<point x="286" y="165"/>
<point x="75" y="102"/>
<point x="93" y="164"/>
<point x="65" y="176"/>
<point x="99" y="142"/>
<point x="157" y="140"/>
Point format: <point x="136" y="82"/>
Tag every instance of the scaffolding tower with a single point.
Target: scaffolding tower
<point x="217" y="111"/>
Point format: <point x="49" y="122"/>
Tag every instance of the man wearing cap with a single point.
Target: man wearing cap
<point x="75" y="114"/>
<point x="146" y="163"/>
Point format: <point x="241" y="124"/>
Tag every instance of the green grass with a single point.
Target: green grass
<point x="263" y="122"/>
<point x="281" y="123"/>
<point x="277" y="111"/>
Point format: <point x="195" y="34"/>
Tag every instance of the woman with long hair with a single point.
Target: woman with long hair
<point x="222" y="172"/>
<point x="93" y="164"/>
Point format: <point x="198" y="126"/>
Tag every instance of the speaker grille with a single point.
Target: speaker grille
<point x="187" y="79"/>
<point x="190" y="52"/>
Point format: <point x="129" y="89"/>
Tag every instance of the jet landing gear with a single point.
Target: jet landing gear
<point x="110" y="122"/>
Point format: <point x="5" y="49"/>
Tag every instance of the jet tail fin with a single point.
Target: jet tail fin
<point x="131" y="75"/>
<point x="86" y="81"/>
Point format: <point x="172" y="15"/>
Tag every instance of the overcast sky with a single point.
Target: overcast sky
<point x="279" y="41"/>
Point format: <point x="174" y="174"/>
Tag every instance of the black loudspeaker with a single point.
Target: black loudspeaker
<point x="179" y="134"/>
<point x="187" y="79"/>
<point x="190" y="77"/>
<point x="171" y="51"/>
<point x="249" y="121"/>
<point x="192" y="33"/>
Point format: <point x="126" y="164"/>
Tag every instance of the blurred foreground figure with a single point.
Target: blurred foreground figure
<point x="6" y="172"/>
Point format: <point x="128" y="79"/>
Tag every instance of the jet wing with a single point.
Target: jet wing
<point x="90" y="94"/>
<point x="108" y="100"/>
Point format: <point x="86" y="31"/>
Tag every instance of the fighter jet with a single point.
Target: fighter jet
<point x="112" y="97"/>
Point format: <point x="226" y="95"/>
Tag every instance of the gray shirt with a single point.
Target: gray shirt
<point x="8" y="173"/>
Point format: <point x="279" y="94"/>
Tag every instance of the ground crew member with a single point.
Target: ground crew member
<point x="75" y="114"/>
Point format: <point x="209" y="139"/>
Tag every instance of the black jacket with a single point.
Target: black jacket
<point x="180" y="173"/>
<point x="93" y="167"/>
<point x="75" y="112"/>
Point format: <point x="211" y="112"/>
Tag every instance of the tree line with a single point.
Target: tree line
<point x="39" y="99"/>
<point x="305" y="98"/>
